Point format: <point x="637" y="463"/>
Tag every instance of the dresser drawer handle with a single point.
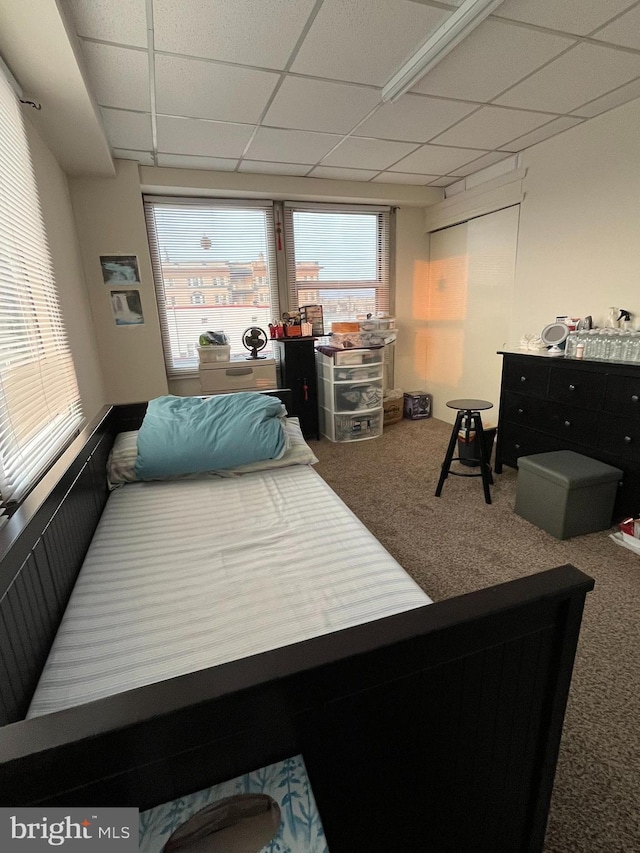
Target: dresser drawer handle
<point x="517" y="446"/>
<point x="572" y="387"/>
<point x="521" y="411"/>
<point x="523" y="379"/>
<point x="567" y="423"/>
<point x="634" y="398"/>
<point x="628" y="439"/>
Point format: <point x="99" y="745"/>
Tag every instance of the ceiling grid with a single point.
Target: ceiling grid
<point x="295" y="87"/>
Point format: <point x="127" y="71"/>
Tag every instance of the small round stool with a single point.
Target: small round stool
<point x="467" y="419"/>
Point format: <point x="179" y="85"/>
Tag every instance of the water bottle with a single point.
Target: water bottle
<point x="615" y="353"/>
<point x="571" y="344"/>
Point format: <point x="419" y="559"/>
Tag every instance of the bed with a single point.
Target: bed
<point x="423" y="726"/>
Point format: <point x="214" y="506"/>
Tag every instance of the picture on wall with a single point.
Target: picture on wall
<point x="118" y="269"/>
<point x="127" y="307"/>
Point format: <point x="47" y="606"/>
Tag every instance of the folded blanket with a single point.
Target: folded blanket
<point x="185" y="435"/>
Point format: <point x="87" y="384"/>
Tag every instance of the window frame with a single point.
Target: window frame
<point x="151" y="201"/>
<point x="381" y="285"/>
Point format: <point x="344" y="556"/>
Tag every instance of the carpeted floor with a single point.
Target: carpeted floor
<point x="457" y="543"/>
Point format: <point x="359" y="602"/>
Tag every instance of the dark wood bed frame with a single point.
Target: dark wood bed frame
<point x="433" y="730"/>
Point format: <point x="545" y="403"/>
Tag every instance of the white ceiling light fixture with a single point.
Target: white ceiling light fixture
<point x="448" y="35"/>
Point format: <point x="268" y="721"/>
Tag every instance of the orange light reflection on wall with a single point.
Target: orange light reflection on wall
<point x="440" y="299"/>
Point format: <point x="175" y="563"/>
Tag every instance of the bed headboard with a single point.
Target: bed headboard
<point x="41" y="551"/>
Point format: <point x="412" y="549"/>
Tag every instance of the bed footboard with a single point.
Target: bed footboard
<point x="433" y="730"/>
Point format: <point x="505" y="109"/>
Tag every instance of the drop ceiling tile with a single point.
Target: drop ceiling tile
<point x="119" y="76"/>
<point x="122" y="21"/>
<point x="414" y="118"/>
<point x="201" y="89"/>
<point x="583" y="73"/>
<point x="290" y="146"/>
<point x="187" y="161"/>
<point x="145" y="158"/>
<point x="546" y="132"/>
<point x="337" y="174"/>
<point x="319" y="105"/>
<point x="436" y="160"/>
<point x="491" y="127"/>
<point x="572" y="16"/>
<point x="204" y="138"/>
<point x="356" y="152"/>
<point x="249" y="32"/>
<point x="128" y="130"/>
<point x="262" y="168"/>
<point x="490" y="59"/>
<point x="404" y="178"/>
<point x="624" y="30"/>
<point x="482" y="163"/>
<point x="365" y="41"/>
<point x="607" y="102"/>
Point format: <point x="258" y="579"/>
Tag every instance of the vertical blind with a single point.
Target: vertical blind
<point x="214" y="269"/>
<point x="40" y="406"/>
<point x="338" y="256"/>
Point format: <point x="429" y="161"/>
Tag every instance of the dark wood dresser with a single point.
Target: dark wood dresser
<point x="591" y="407"/>
<point x="298" y="372"/>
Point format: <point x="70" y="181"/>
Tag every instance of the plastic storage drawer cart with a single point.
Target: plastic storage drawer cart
<point x="565" y="493"/>
<point x="350" y="394"/>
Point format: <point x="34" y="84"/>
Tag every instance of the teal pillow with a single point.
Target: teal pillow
<point x="188" y="435"/>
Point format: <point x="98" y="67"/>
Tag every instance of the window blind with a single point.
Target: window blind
<point x="214" y="270"/>
<point x="40" y="407"/>
<point x="338" y="257"/>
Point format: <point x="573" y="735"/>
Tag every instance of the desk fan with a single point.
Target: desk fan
<point x="255" y="339"/>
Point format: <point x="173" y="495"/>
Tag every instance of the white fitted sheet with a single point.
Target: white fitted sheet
<point x="185" y="575"/>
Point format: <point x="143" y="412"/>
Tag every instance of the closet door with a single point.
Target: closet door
<point x="470" y="287"/>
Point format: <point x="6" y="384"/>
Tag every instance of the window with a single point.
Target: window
<point x="344" y="251"/>
<point x="40" y="406"/>
<point x="238" y="237"/>
<point x="197" y="298"/>
<point x="195" y="282"/>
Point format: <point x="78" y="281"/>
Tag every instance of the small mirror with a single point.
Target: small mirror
<point x="554" y="336"/>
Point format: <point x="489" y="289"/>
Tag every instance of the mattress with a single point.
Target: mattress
<point x="188" y="574"/>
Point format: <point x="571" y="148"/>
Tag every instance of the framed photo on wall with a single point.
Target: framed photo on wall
<point x="127" y="308"/>
<point x="120" y="269"/>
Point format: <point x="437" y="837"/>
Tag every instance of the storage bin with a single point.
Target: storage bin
<point x="359" y="356"/>
<point x="565" y="493"/>
<point x="213" y="353"/>
<point x="349" y="373"/>
<point x="355" y="427"/>
<point x="238" y="375"/>
<point x="374" y="338"/>
<point x="351" y="396"/>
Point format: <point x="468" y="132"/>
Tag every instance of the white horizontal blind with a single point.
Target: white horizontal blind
<point x="338" y="257"/>
<point x="214" y="269"/>
<point x="40" y="406"/>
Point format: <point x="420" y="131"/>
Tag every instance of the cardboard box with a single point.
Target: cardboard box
<point x="417" y="404"/>
<point x="392" y="411"/>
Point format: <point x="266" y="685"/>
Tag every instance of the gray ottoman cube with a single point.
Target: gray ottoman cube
<point x="565" y="493"/>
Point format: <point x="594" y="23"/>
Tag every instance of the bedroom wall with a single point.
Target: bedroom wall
<point x="578" y="246"/>
<point x="67" y="266"/>
<point x="110" y="220"/>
